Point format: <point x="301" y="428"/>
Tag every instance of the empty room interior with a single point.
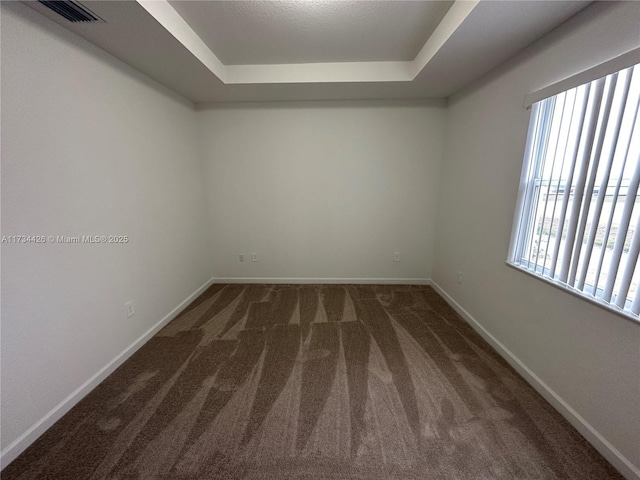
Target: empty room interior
<point x="320" y="240"/>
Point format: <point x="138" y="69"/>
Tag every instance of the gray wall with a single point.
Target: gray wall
<point x="89" y="147"/>
<point x="587" y="356"/>
<point x="322" y="189"/>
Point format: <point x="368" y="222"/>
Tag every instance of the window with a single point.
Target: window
<point x="577" y="221"/>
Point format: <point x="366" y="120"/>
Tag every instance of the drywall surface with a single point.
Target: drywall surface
<point x="588" y="356"/>
<point x="324" y="190"/>
<point x="89" y="147"/>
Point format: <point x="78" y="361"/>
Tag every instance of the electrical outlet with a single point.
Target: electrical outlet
<point x="396" y="257"/>
<point x="241" y="257"/>
<point x="254" y="257"/>
<point x="130" y="310"/>
<point x="459" y="278"/>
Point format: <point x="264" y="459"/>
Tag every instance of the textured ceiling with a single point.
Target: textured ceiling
<point x="265" y="32"/>
<point x="339" y="62"/>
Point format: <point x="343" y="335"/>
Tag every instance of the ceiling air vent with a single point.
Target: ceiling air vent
<point x="72" y="11"/>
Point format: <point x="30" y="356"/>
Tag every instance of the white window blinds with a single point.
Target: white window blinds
<point x="579" y="209"/>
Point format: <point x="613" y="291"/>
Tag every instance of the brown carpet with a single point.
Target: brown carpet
<point x="313" y="382"/>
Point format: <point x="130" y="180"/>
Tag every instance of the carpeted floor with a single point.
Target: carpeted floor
<point x="313" y="382"/>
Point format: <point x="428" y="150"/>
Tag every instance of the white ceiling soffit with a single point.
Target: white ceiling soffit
<point x="338" y="72"/>
<point x="464" y="40"/>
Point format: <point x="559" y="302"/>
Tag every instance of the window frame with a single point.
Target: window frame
<point x="526" y="194"/>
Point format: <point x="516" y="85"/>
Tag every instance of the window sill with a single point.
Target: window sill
<point x="609" y="308"/>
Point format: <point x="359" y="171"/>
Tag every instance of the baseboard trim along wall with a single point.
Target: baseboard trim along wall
<point x="617" y="459"/>
<point x="19" y="445"/>
<point x="369" y="281"/>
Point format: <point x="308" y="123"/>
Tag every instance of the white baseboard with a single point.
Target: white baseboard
<point x="302" y="280"/>
<point x="31" y="435"/>
<point x="608" y="451"/>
